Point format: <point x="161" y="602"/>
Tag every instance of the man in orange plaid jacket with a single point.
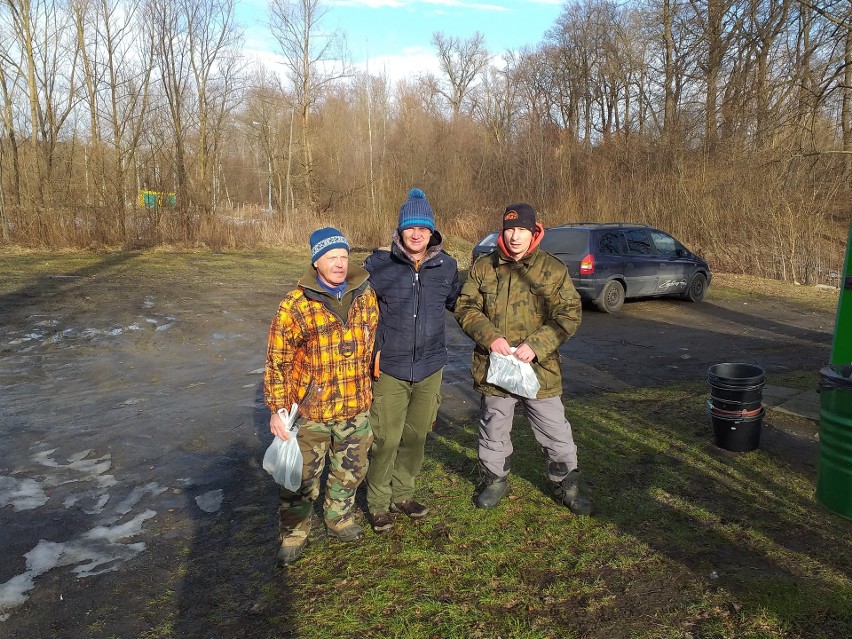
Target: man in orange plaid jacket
<point x="319" y="352"/>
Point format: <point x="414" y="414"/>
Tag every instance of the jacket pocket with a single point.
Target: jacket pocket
<point x="488" y="291"/>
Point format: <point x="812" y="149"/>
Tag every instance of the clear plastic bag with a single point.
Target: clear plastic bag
<point x="513" y="375"/>
<point x="283" y="459"/>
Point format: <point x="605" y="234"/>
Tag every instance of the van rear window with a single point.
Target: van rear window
<point x="574" y="242"/>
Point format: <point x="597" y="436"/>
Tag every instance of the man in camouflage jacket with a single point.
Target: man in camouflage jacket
<point x="320" y="346"/>
<point x="519" y="300"/>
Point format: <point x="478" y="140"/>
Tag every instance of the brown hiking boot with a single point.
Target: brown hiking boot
<point x="344" y="529"/>
<point x="411" y="508"/>
<point x="381" y="522"/>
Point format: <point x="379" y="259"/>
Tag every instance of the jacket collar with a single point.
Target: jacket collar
<point x="356" y="278"/>
<point x="435" y="246"/>
<point x="538" y="235"/>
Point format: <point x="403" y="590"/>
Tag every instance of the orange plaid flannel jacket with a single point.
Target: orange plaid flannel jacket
<point x="315" y="358"/>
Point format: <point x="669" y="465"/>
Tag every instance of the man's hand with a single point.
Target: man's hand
<point x="278" y="427"/>
<point x="501" y="346"/>
<point x="524" y="353"/>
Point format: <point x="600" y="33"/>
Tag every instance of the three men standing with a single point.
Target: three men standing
<point x="415" y="281"/>
<point x="340" y="319"/>
<point x="520" y="300"/>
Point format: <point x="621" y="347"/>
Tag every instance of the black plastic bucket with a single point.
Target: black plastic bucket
<point x="736" y="387"/>
<point x="737" y="434"/>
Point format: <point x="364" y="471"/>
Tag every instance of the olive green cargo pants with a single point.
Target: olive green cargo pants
<point x="402" y="414"/>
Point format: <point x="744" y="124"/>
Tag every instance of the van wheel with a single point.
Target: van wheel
<point x="696" y="289"/>
<point x="611" y="297"/>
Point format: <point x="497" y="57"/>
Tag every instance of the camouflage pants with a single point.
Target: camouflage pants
<point x="346" y="444"/>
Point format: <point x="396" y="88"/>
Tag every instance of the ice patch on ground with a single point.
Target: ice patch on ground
<point x="101" y="548"/>
<point x="21" y="494"/>
<point x="126" y="505"/>
<point x="211" y="501"/>
<point x="89" y="469"/>
<point x="97" y="551"/>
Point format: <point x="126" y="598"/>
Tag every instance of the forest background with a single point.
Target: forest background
<point x="727" y="123"/>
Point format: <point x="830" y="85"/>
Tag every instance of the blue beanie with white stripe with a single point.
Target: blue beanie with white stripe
<point x="416" y="211"/>
<point x="323" y="240"/>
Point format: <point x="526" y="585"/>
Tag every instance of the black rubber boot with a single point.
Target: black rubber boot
<point x="492" y="489"/>
<point x="568" y="492"/>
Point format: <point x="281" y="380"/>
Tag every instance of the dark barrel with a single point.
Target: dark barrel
<point x="736" y="405"/>
<point x="834" y="476"/>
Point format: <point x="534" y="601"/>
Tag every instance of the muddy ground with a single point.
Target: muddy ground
<point x="133" y="427"/>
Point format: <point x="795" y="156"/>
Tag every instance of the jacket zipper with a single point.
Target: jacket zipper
<point x="415" y="283"/>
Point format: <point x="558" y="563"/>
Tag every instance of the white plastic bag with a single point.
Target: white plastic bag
<point x="513" y="375"/>
<point x="283" y="459"/>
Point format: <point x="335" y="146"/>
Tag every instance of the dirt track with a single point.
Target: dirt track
<point x="133" y="427"/>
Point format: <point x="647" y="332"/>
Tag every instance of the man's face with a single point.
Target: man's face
<point x="333" y="266"/>
<point x="416" y="240"/>
<point x="517" y="241"/>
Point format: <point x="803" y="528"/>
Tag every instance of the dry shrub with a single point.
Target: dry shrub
<point x="770" y="214"/>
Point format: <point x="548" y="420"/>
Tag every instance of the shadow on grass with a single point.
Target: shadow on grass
<point x="43" y="287"/>
<point x="732" y="537"/>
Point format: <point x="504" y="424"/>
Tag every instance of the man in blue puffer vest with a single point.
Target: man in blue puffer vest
<point x="414" y="280"/>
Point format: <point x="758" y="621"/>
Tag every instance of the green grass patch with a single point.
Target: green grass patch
<point x="687" y="538"/>
<point x="747" y="288"/>
<point x="804" y="379"/>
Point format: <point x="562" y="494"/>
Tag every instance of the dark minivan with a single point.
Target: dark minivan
<point x="613" y="261"/>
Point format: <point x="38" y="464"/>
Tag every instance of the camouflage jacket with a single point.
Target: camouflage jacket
<point x="320" y="349"/>
<point x="532" y="300"/>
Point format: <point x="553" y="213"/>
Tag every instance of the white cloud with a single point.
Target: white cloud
<point x="400" y="4"/>
<point x="373" y="4"/>
<point x="407" y="65"/>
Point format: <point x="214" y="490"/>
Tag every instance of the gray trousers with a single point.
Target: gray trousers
<point x="549" y="426"/>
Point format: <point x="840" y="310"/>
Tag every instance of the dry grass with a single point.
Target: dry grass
<point x="731" y="285"/>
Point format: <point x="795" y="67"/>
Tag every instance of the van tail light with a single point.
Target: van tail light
<point x="587" y="265"/>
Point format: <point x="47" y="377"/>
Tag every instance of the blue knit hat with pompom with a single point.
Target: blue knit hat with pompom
<point x="416" y="211"/>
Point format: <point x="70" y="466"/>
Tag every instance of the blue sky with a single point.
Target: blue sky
<point x="395" y="35"/>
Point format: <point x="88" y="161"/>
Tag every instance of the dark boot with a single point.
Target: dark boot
<point x="290" y="551"/>
<point x="567" y="491"/>
<point x="492" y="489"/>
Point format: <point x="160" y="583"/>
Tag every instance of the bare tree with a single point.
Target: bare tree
<point x="846" y="110"/>
<point x="10" y="78"/>
<point x="313" y="61"/>
<point x="48" y="58"/>
<point x="714" y="29"/>
<point x="212" y="40"/>
<point x="462" y="61"/>
<point x="127" y="64"/>
<point x="170" y="42"/>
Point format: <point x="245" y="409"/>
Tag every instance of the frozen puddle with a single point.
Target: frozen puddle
<point x="104" y="546"/>
<point x="96" y="551"/>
